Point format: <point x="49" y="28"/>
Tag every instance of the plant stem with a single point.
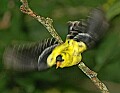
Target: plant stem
<point x="93" y="76"/>
<point x="47" y="22"/>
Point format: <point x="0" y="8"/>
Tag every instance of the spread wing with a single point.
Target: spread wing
<point x="91" y="30"/>
<point x="29" y="57"/>
<point x="97" y="24"/>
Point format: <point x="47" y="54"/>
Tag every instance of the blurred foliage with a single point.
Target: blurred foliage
<point x="104" y="58"/>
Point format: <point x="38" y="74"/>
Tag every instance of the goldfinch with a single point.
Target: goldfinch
<point x="82" y="35"/>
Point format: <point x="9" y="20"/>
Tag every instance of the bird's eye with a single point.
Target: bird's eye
<point x="59" y="58"/>
<point x="68" y="41"/>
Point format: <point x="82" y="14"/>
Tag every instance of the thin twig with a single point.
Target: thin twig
<point x="47" y="22"/>
<point x="93" y="76"/>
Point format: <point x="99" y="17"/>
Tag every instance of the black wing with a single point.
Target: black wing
<point x="91" y="30"/>
<point x="97" y="24"/>
<point x="75" y="27"/>
<point x="29" y="57"/>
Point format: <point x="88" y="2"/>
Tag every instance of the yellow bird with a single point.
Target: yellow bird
<point x="66" y="54"/>
<point x="82" y="35"/>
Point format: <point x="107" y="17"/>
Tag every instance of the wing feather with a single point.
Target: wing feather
<point x="24" y="57"/>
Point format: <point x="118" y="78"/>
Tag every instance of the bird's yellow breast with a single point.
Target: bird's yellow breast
<point x="70" y="51"/>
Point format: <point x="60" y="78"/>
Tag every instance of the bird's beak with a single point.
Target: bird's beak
<point x="58" y="64"/>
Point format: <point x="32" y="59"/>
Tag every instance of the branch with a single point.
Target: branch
<point x="47" y="22"/>
<point x="93" y="76"/>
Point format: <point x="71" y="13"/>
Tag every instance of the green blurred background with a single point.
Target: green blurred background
<point x="104" y="58"/>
